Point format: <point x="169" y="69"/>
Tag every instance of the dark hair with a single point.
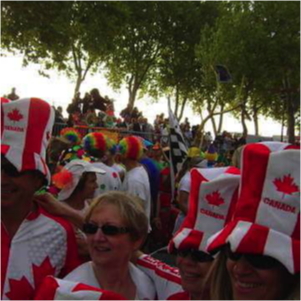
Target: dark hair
<point x="82" y="182"/>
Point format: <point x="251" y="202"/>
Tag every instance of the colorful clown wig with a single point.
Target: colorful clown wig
<point x="111" y="146"/>
<point x="131" y="147"/>
<point x="95" y="144"/>
<point x="72" y="135"/>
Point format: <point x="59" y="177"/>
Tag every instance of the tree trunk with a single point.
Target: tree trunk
<point x="255" y="119"/>
<point x="243" y="120"/>
<point x="290" y="119"/>
<point x="221" y="119"/>
<point x="177" y="102"/>
<point x="213" y="125"/>
<point x="182" y="108"/>
<point x="133" y="89"/>
<point x="132" y="97"/>
<point x="290" y="111"/>
<point x="78" y="84"/>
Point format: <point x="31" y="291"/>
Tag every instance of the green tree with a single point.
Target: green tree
<point x="72" y="37"/>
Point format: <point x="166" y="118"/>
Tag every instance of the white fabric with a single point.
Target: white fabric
<point x="77" y="168"/>
<point x="40" y="243"/>
<point x="185" y="182"/>
<point x="119" y="168"/>
<point x="166" y="278"/>
<point x="145" y="289"/>
<point x="136" y="182"/>
<point x="109" y="181"/>
<point x="281" y="166"/>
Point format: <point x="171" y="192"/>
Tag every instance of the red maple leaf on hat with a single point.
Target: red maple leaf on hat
<point x="22" y="289"/>
<point x="286" y="185"/>
<point x="15" y="115"/>
<point x="215" y="199"/>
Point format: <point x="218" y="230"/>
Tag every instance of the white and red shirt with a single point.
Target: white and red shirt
<point x="58" y="289"/>
<point x="43" y="245"/>
<point x="166" y="278"/>
<point x="145" y="289"/>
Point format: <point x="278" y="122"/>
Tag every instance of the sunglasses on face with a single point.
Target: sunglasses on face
<point x="110" y="230"/>
<point x="195" y="255"/>
<point x="257" y="261"/>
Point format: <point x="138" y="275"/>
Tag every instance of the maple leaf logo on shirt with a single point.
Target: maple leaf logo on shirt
<point x="286" y="185"/>
<point x="22" y="289"/>
<point x="215" y="199"/>
<point x="15" y="115"/>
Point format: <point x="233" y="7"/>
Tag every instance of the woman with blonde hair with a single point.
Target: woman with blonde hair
<point x="116" y="226"/>
<point x="259" y="250"/>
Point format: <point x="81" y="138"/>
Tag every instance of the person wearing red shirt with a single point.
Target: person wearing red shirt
<point x="34" y="243"/>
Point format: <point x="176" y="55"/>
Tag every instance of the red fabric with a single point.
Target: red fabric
<point x="47" y="289"/>
<point x="161" y="269"/>
<point x="190" y="241"/>
<point x="220" y="240"/>
<point x="196" y="182"/>
<point x="254" y="240"/>
<point x="252" y="180"/>
<point x="34" y="133"/>
<point x="106" y="295"/>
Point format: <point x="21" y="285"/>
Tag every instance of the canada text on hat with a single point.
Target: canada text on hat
<point x="68" y="178"/>
<point x="212" y="199"/>
<point x="267" y="218"/>
<point x="26" y="126"/>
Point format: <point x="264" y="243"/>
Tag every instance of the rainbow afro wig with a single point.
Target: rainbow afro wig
<point x="131" y="148"/>
<point x="95" y="144"/>
<point x="72" y="135"/>
<point x="111" y="146"/>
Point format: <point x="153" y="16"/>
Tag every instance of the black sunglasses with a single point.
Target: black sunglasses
<point x="90" y="228"/>
<point x="261" y="262"/>
<point x="10" y="170"/>
<point x="195" y="255"/>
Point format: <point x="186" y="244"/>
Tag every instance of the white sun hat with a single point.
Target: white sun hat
<point x="70" y="175"/>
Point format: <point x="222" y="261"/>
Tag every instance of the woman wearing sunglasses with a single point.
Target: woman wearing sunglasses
<point x="116" y="226"/>
<point x="212" y="199"/>
<point x="259" y="251"/>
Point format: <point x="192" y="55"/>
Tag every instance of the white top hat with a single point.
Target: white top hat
<point x="212" y="199"/>
<point x="267" y="218"/>
<point x="26" y="126"/>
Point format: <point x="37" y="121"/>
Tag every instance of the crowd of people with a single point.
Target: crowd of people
<point x="83" y="214"/>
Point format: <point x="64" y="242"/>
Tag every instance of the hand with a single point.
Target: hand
<point x="51" y="204"/>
